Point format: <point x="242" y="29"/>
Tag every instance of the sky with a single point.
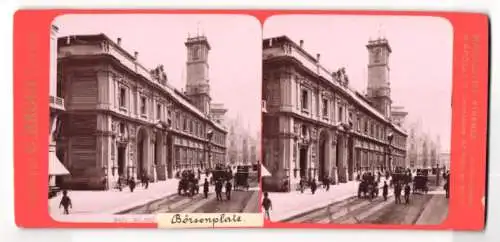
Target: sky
<point x="234" y="60"/>
<point x="420" y="63"/>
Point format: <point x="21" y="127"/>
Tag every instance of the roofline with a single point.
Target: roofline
<point x="287" y="39"/>
<point x="362" y="99"/>
<point x="344" y="92"/>
<point x="200" y="38"/>
<point x="372" y="43"/>
<point x="103" y="37"/>
<point x="151" y="83"/>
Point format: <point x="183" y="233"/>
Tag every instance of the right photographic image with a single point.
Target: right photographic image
<point x="356" y="119"/>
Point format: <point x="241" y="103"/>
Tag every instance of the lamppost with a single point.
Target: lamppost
<point x="210" y="133"/>
<point x="390" y="136"/>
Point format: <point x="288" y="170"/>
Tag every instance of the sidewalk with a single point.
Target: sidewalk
<point x="113" y="201"/>
<point x="286" y="205"/>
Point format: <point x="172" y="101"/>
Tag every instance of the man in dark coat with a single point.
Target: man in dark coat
<point x="131" y="184"/>
<point x="313" y="186"/>
<point x="385" y="191"/>
<point x="397" y="193"/>
<point x="229" y="187"/>
<point x="302" y="184"/>
<point x="267" y="205"/>
<point x="326" y="183"/>
<point x="206" y="185"/>
<point x="407" y="193"/>
<point x="218" y="190"/>
<point x="65" y="202"/>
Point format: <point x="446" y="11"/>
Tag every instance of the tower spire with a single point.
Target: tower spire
<point x="198" y="29"/>
<point x="381" y="33"/>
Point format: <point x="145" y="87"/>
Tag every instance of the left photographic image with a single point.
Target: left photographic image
<point x="154" y="114"/>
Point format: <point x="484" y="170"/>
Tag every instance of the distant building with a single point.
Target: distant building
<point x="398" y="115"/>
<point x="253" y="153"/>
<point x="444" y="160"/>
<point x="241" y="142"/>
<point x="423" y="152"/>
<point x="245" y="156"/>
<point x="218" y="112"/>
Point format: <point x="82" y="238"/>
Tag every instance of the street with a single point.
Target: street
<point x="242" y="201"/>
<point x="430" y="208"/>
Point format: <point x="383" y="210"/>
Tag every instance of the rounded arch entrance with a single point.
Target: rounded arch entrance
<point x="340" y="157"/>
<point x="324" y="154"/>
<point x="143" y="137"/>
<point x="158" y="160"/>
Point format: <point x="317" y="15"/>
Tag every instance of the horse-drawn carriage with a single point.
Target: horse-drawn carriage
<point x="423" y="172"/>
<point x="188" y="184"/>
<point x="221" y="173"/>
<point x="420" y="181"/>
<point x="241" y="178"/>
<point x="368" y="187"/>
<point x="401" y="177"/>
<point x="420" y="184"/>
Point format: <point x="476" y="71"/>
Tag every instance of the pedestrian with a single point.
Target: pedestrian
<point x="218" y="190"/>
<point x="438" y="175"/>
<point x="327" y="183"/>
<point x="229" y="187"/>
<point x="65" y="202"/>
<point x="385" y="190"/>
<point x="447" y="188"/>
<point x="131" y="184"/>
<point x="313" y="186"/>
<point x="119" y="183"/>
<point x="397" y="192"/>
<point x="146" y="181"/>
<point x="267" y="205"/>
<point x="206" y="185"/>
<point x="407" y="193"/>
<point x="302" y="184"/>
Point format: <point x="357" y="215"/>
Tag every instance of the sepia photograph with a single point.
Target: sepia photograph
<point x="154" y="113"/>
<point x="356" y="119"/>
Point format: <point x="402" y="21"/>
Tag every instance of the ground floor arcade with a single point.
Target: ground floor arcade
<point x="97" y="160"/>
<point x="313" y="151"/>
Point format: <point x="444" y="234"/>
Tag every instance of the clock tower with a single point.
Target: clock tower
<point x="379" y="89"/>
<point x="197" y="78"/>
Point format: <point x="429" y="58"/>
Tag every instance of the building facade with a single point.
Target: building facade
<point x="56" y="104"/>
<point x="316" y="126"/>
<point x="123" y="120"/>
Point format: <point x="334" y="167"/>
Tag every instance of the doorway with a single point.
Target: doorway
<point x="121" y="161"/>
<point x="350" y="159"/>
<point x="303" y="161"/>
<point x="322" y="161"/>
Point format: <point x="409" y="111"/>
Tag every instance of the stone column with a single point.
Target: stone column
<point x="333" y="160"/>
<point x="113" y="174"/>
<point x="151" y="169"/>
<point x="165" y="156"/>
<point x="314" y="153"/>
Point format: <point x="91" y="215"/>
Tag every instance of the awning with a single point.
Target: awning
<point x="264" y="171"/>
<point x="56" y="168"/>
